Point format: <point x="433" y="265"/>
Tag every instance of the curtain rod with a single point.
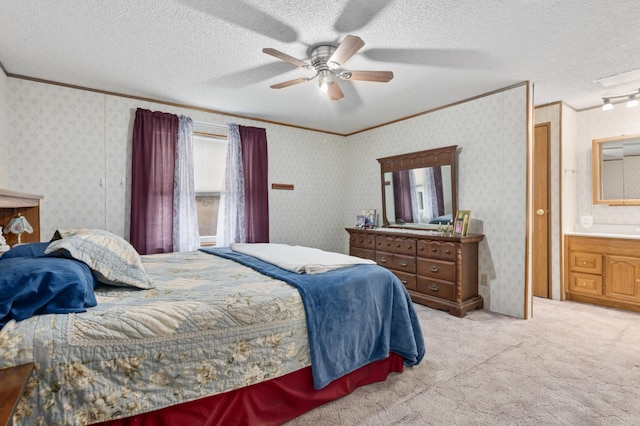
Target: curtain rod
<point x="203" y="123"/>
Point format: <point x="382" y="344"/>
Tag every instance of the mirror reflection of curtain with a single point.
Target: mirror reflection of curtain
<point x="433" y="200"/>
<point x="430" y="197"/>
<point x="437" y="182"/>
<point x="402" y="195"/>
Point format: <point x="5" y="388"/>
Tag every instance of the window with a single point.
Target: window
<point x="209" y="157"/>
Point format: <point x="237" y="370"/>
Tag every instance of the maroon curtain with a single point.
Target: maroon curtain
<point x="402" y="196"/>
<point x="437" y="179"/>
<point x="253" y="141"/>
<point x="153" y="162"/>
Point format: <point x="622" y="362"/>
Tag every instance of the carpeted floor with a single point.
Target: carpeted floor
<point x="572" y="364"/>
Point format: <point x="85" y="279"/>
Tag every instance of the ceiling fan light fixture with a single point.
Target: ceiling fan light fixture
<point x="325" y="80"/>
<point x="632" y="102"/>
<point x="607" y="105"/>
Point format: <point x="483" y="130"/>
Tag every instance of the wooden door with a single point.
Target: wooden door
<point x="622" y="278"/>
<point x="541" y="208"/>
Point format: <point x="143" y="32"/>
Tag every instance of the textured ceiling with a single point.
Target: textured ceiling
<point x="209" y="53"/>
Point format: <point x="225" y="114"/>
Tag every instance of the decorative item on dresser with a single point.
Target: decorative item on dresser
<point x="604" y="271"/>
<point x="438" y="271"/>
<point x="13" y="204"/>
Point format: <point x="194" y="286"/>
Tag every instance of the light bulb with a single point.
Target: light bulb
<point x="633" y="102"/>
<point x="324" y="86"/>
<point x="607" y="105"/>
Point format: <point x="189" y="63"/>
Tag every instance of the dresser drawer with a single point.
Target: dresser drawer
<point x="437" y="269"/>
<point x="437" y="288"/>
<point x="363" y="240"/>
<point x="397" y="262"/>
<point x="362" y="253"/>
<point x="437" y="250"/>
<point x="590" y="263"/>
<point x="585" y="284"/>
<point x="405" y="246"/>
<point x="409" y="280"/>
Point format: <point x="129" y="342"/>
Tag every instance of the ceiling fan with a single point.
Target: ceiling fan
<point x="327" y="60"/>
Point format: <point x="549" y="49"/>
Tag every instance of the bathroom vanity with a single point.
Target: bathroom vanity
<point x="603" y="270"/>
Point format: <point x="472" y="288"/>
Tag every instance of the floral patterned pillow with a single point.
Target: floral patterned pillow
<point x="113" y="260"/>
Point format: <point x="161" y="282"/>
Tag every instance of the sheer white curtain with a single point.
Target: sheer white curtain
<point x="430" y="194"/>
<point x="231" y="220"/>
<point x="186" y="235"/>
<point x="414" y="196"/>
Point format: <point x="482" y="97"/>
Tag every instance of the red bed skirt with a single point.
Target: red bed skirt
<point x="268" y="403"/>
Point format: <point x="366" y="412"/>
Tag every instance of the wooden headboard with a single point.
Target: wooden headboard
<point x="28" y="205"/>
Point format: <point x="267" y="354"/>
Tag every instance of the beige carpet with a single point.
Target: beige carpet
<point x="572" y="364"/>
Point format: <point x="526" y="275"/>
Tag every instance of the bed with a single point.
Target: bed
<point x="205" y="337"/>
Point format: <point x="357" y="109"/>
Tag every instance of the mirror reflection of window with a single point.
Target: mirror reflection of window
<point x="631" y="152"/>
<point x="619" y="167"/>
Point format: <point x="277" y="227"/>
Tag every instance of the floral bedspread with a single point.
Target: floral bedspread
<point x="211" y="325"/>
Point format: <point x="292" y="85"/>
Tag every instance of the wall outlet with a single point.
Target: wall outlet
<point x="484" y="280"/>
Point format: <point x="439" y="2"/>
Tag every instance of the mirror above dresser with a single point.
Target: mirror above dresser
<point x="419" y="188"/>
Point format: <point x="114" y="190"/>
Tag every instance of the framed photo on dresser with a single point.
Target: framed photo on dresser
<point x="461" y="223"/>
<point x="370" y="217"/>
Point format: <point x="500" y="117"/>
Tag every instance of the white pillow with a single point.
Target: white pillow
<point x="110" y="257"/>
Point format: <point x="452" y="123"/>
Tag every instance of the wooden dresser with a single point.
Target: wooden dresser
<point x="604" y="271"/>
<point x="439" y="272"/>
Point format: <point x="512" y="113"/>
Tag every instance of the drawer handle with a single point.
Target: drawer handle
<point x="434" y="268"/>
<point x="421" y="249"/>
<point x="403" y="263"/>
<point x="584" y="263"/>
<point x="404" y="281"/>
<point x="638" y="280"/>
<point x="434" y="249"/>
<point x="434" y="287"/>
<point x="383" y="260"/>
<point x="447" y="251"/>
<point x="398" y="245"/>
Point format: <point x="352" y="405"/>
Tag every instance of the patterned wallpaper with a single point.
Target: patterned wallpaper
<point x="78" y="138"/>
<point x="4" y="129"/>
<point x="491" y="136"/>
<point x="597" y="124"/>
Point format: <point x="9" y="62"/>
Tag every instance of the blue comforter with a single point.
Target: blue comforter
<point x="355" y="315"/>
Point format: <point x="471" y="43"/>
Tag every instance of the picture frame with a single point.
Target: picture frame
<point x="360" y="220"/>
<point x="461" y="223"/>
<point x="370" y="217"/>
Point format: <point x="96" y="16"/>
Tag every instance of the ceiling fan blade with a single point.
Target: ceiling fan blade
<point x="358" y="13"/>
<point x="349" y="46"/>
<point x="244" y="15"/>
<point x="377" y="76"/>
<point x="335" y="93"/>
<point x="289" y="83"/>
<point x="287" y="58"/>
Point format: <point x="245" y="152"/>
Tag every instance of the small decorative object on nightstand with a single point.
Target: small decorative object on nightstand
<point x="17" y="225"/>
<point x="14" y="380"/>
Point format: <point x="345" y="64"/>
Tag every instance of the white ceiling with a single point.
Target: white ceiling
<point x="208" y="53"/>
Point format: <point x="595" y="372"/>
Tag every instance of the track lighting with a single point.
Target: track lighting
<point x="631" y="102"/>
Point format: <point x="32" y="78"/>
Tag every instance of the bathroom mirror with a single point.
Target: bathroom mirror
<point x="616" y="170"/>
<point x="419" y="188"/>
